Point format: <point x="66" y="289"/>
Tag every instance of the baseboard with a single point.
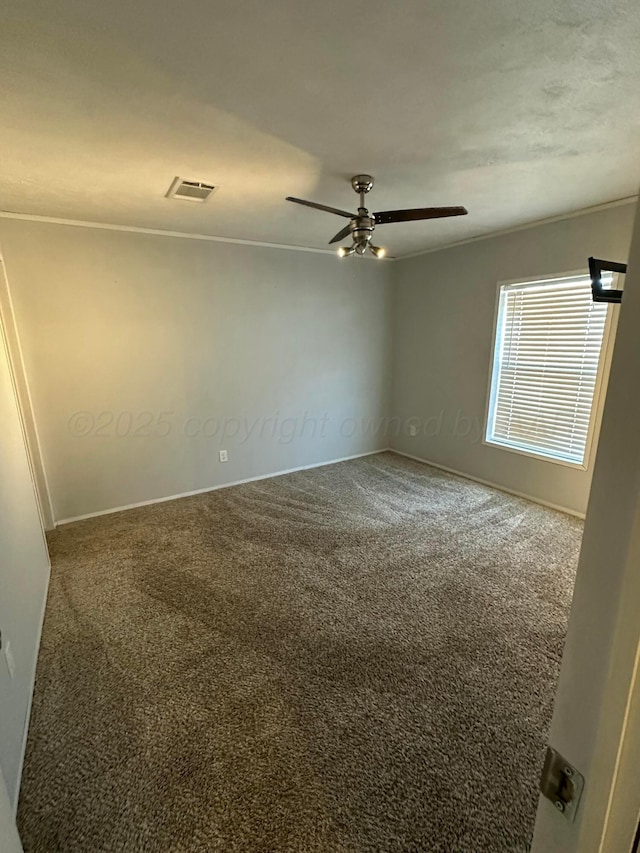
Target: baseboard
<point x="220" y="486"/>
<point x="497" y="486"/>
<point x="27" y="718"/>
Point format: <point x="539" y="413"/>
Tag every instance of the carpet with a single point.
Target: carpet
<point x="354" y="658"/>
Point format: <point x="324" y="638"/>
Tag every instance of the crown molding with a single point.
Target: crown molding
<point x="236" y="241"/>
<point x="585" y="211"/>
<point x="158" y="232"/>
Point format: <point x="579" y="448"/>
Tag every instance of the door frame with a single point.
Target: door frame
<point x="596" y="720"/>
<point x="25" y="403"/>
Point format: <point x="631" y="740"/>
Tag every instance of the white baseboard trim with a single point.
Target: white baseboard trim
<point x="220" y="486"/>
<point x="27" y="718"/>
<point x="497" y="486"/>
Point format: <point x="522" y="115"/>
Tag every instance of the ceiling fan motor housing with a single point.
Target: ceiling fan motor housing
<point x="362" y="230"/>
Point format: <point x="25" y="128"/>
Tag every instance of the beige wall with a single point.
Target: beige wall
<point x="160" y="339"/>
<point x="150" y="335"/>
<point x="444" y="317"/>
<point x="24" y="575"/>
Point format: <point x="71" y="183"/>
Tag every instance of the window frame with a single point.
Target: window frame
<point x="604" y="366"/>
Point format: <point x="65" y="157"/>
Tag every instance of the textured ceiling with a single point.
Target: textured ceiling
<point x="517" y="110"/>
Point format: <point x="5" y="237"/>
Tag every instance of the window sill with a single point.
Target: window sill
<point x="579" y="466"/>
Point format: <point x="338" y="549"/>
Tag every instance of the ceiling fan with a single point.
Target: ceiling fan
<point x="362" y="224"/>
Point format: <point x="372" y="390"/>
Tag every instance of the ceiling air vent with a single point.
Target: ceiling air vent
<point x="190" y="190"/>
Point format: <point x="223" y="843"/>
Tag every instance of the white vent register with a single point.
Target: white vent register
<point x="190" y="190"/>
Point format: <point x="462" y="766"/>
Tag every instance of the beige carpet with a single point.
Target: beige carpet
<point x="354" y="658"/>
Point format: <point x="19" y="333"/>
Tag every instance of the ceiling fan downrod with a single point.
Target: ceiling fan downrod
<point x="362" y="226"/>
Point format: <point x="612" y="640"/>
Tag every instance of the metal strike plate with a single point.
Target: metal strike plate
<point x="561" y="783"/>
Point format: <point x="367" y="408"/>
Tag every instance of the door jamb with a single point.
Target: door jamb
<point x="24" y="401"/>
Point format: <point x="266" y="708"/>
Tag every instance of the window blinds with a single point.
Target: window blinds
<point x="549" y="338"/>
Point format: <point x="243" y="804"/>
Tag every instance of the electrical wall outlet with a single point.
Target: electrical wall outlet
<point x="223" y="455"/>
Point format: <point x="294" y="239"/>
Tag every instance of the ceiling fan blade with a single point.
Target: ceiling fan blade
<point x="320" y="207"/>
<point x="386" y="216"/>
<point x="341" y="234"/>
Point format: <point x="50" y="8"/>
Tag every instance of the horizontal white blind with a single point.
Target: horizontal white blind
<point x="546" y="362"/>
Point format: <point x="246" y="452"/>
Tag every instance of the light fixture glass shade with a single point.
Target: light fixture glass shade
<point x="345" y="251"/>
<point x="378" y="251"/>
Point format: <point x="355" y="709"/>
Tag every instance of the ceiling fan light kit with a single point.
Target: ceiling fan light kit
<point x="362" y="224"/>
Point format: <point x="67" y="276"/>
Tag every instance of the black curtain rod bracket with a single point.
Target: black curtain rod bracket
<point x="600" y="293"/>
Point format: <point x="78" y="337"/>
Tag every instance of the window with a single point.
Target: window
<point x="546" y="367"/>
